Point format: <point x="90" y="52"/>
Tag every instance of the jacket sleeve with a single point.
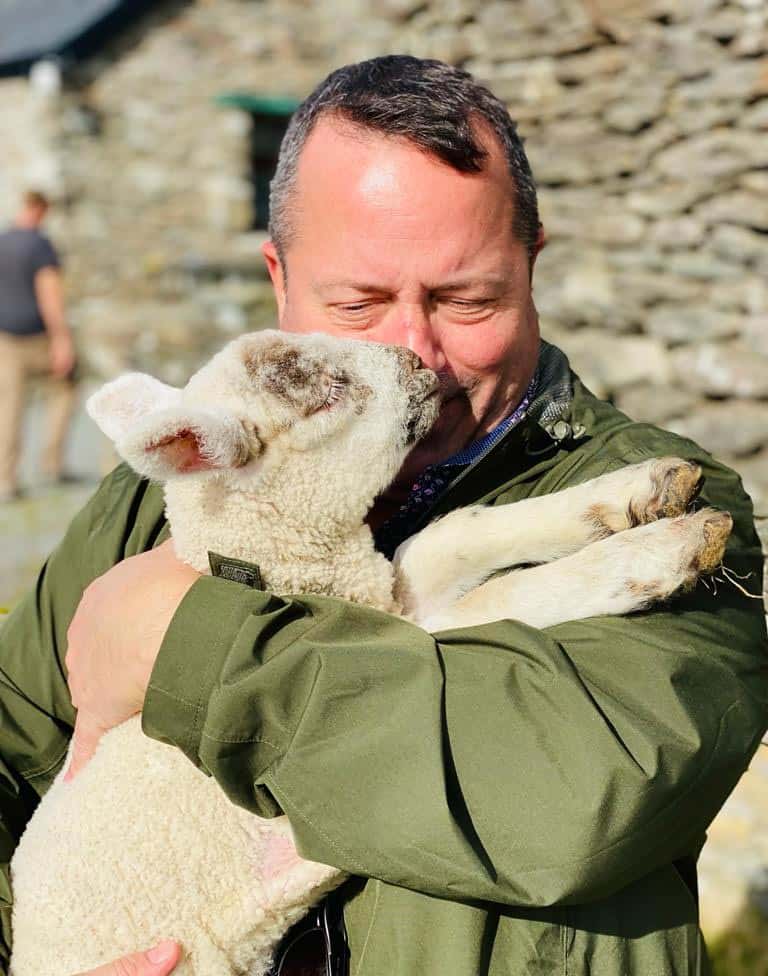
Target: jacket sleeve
<point x="36" y="714"/>
<point x="499" y="763"/>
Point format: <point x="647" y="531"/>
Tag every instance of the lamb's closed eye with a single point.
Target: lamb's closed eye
<point x="336" y="390"/>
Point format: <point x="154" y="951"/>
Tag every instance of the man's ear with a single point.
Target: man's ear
<point x="118" y="406"/>
<point x="276" y="273"/>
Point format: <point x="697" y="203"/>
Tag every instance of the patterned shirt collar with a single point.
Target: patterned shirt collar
<point x="473" y="451"/>
<point x="434" y="480"/>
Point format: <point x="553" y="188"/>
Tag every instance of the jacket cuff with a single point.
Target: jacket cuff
<point x="191" y="657"/>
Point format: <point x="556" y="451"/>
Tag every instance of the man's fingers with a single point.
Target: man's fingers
<point x="85" y="739"/>
<point x="157" y="961"/>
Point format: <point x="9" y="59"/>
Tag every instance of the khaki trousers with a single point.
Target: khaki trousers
<point x="21" y="359"/>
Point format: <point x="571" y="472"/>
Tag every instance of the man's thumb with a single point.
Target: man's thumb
<point x="157" y="961"/>
<point x="85" y="739"/>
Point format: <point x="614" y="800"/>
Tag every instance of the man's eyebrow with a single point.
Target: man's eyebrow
<point x="363" y="286"/>
<point x="470" y="281"/>
<point x="474" y="281"/>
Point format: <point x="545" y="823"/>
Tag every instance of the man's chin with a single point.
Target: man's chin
<point x="448" y="434"/>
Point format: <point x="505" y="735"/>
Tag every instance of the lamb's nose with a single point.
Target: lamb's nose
<point x="408" y="359"/>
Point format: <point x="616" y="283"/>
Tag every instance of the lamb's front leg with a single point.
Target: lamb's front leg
<point x="455" y="554"/>
<point x="618" y="575"/>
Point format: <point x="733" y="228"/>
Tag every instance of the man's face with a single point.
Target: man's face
<point x="37" y="213"/>
<point x="392" y="245"/>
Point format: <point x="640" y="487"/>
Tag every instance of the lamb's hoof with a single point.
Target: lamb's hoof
<point x="676" y="484"/>
<point x="715" y="527"/>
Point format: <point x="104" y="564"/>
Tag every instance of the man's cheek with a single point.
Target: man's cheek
<point x="480" y="351"/>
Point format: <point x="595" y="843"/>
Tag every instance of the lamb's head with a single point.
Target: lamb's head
<point x="273" y="409"/>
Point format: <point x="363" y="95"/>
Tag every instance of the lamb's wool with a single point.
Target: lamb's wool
<point x="156" y="847"/>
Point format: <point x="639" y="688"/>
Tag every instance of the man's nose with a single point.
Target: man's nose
<point x="419" y="336"/>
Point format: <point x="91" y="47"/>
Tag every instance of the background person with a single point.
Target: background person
<point x="512" y="800"/>
<point x="35" y="341"/>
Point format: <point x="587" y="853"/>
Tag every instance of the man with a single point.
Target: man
<point x="512" y="801"/>
<point x="34" y="340"/>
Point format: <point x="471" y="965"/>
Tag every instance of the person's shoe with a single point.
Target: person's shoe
<point x="62" y="478"/>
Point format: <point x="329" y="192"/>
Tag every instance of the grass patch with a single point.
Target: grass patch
<point x="743" y="949"/>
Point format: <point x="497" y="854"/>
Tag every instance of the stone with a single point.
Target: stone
<point x="754" y="473"/>
<point x="756" y="116"/>
<point x="729" y="369"/>
<point x="686" y="54"/>
<point x="625" y="228"/>
<point x="736" y="207"/>
<point x="721" y="152"/>
<point x="499" y="19"/>
<point x="687" y="324"/>
<point x="654" y="403"/>
<point x="755" y="332"/>
<point x="756" y="182"/>
<point x="591" y="160"/>
<point x="731" y="429"/>
<point x="738" y="243"/>
<point x="724" y="24"/>
<point x="731" y="79"/>
<point x="668" y="198"/>
<point x="577" y="288"/>
<point x="577" y="68"/>
<point x="229" y="202"/>
<point x="493" y="45"/>
<point x="635" y="113"/>
<point x="675" y="232"/>
<point x="685" y="10"/>
<point x="702" y="265"/>
<point x="752" y="42"/>
<point x="746" y="294"/>
<point x="706" y="116"/>
<point x="609" y="363"/>
<point x="648" y="288"/>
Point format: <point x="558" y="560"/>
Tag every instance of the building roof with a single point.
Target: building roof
<point x="34" y="29"/>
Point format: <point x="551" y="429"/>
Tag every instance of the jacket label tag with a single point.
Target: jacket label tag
<point x="237" y="570"/>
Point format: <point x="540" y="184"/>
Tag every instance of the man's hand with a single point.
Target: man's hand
<point x="49" y="292"/>
<point x="114" y="638"/>
<point x="61" y="354"/>
<point x="155" y="962"/>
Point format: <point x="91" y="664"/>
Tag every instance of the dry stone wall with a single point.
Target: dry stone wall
<point x="646" y="122"/>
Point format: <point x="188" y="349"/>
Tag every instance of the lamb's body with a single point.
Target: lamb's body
<point x="142" y="845"/>
<point x="164" y="809"/>
<point x="188" y="862"/>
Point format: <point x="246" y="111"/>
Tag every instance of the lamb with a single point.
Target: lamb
<point x="260" y="454"/>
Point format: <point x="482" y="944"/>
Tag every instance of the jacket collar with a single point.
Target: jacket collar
<point x="546" y="428"/>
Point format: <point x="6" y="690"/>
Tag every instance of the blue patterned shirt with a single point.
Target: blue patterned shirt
<point x="435" y="478"/>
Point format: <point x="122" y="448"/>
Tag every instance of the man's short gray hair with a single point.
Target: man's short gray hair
<point x="432" y="105"/>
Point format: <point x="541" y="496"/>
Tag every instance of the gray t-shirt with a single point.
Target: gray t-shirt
<point x="23" y="252"/>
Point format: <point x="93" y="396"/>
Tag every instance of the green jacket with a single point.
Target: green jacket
<point x="521" y="801"/>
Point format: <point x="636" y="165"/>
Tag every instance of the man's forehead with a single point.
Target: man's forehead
<point x="374" y="162"/>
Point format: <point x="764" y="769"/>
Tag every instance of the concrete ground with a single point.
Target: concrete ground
<point x="33" y="525"/>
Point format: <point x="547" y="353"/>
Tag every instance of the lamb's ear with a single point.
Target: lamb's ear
<point x="160" y="436"/>
<point x="120" y="405"/>
<point x="183" y="440"/>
